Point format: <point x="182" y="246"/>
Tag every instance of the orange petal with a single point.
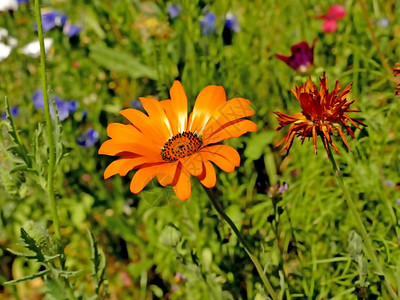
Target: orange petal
<point x="171" y="115"/>
<point x="219" y="160"/>
<point x="193" y="164"/>
<point x="143" y="176"/>
<point x="231" y="130"/>
<point x="207" y="102"/>
<point x="228" y="152"/>
<point x="168" y="174"/>
<point x="157" y="115"/>
<point x="123" y="133"/>
<point x="111" y="147"/>
<point x="208" y="178"/>
<point x="144" y="124"/>
<point x="182" y="187"/>
<point x="124" y="165"/>
<point x="230" y="111"/>
<point x="179" y="102"/>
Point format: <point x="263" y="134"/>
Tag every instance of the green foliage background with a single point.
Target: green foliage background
<point x="303" y="240"/>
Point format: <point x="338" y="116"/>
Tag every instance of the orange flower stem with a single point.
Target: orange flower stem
<point x="360" y="225"/>
<point x="242" y="240"/>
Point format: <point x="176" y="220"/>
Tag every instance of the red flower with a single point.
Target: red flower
<point x="323" y="114"/>
<point x="335" y="12"/>
<point x="396" y="72"/>
<point x="302" y="58"/>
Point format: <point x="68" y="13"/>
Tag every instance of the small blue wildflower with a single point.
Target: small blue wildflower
<point x="207" y="23"/>
<point x="88" y="139"/>
<point x="22" y="1"/>
<point x="64" y="108"/>
<point x="71" y="30"/>
<point x="135" y="103"/>
<point x="14" y="112"/>
<point x="174" y="10"/>
<point x="52" y="19"/>
<point x="231" y="23"/>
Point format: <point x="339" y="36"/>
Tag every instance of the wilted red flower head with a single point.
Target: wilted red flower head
<point x="323" y="114"/>
<point x="335" y="12"/>
<point x="302" y="58"/>
<point x="396" y="72"/>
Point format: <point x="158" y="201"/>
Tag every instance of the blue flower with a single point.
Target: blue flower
<point x="22" y="1"/>
<point x="207" y="23"/>
<point x="174" y="10"/>
<point x="71" y="30"/>
<point x="231" y="23"/>
<point x="13" y="110"/>
<point x="51" y="19"/>
<point x="135" y="103"/>
<point x="64" y="108"/>
<point x="88" y="139"/>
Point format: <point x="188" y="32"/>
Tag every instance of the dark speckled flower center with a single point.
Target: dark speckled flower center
<point x="181" y="145"/>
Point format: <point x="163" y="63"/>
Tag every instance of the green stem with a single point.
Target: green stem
<point x="52" y="148"/>
<point x="360" y="226"/>
<point x="49" y="125"/>
<point x="246" y="246"/>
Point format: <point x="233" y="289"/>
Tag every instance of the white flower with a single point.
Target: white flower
<point x="5" y="51"/>
<point x="7" y="5"/>
<point x="7" y="43"/>
<point x="3" y="33"/>
<point x="33" y="48"/>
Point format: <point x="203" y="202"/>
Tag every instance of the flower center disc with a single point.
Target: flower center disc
<point x="181" y="145"/>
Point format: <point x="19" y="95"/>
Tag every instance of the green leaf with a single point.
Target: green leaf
<point x="64" y="273"/>
<point x="170" y="236"/>
<point x="98" y="262"/>
<point x="23" y="254"/>
<point x="53" y="290"/>
<point x="32" y="245"/>
<point x="257" y="143"/>
<point x="118" y="61"/>
<point x="20" y="149"/>
<point x="30" y="277"/>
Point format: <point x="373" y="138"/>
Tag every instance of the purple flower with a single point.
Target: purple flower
<point x="51" y="19"/>
<point x="64" y="108"/>
<point x="14" y="112"/>
<point x="88" y="139"/>
<point x="22" y="1"/>
<point x="283" y="188"/>
<point x="71" y="30"/>
<point x="302" y="58"/>
<point x="207" y="23"/>
<point x="174" y="10"/>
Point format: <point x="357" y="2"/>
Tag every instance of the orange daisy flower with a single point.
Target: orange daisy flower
<point x="171" y="146"/>
<point x="323" y="114"/>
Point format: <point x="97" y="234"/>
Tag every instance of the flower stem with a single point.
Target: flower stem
<point x="360" y="226"/>
<point x="246" y="246"/>
<point x="52" y="148"/>
<point x="49" y="125"/>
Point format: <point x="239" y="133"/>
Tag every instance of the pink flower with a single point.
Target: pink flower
<point x="335" y="12"/>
